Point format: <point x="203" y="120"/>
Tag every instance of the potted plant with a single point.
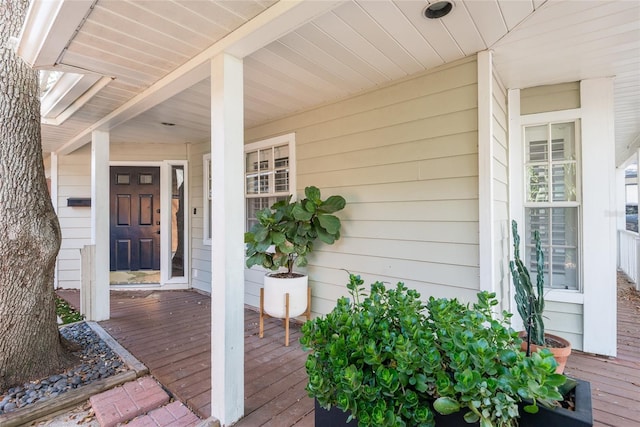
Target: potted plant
<point x="387" y="359"/>
<point x="530" y="303"/>
<point x="282" y="239"/>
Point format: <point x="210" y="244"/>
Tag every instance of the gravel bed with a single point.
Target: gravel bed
<point x="97" y="361"/>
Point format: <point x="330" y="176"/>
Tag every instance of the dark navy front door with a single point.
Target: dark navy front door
<point x="135" y="218"/>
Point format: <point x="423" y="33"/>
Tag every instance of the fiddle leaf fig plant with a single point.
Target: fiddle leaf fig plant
<point x="392" y="360"/>
<point x="284" y="235"/>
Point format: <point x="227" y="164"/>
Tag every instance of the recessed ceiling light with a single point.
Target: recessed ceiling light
<point x="167" y="124"/>
<point x="438" y="9"/>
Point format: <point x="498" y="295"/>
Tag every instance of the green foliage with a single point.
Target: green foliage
<point x="285" y="233"/>
<point x="390" y="360"/>
<point x="529" y="300"/>
<point x="67" y="313"/>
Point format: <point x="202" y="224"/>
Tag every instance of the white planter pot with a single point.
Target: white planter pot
<point x="275" y="290"/>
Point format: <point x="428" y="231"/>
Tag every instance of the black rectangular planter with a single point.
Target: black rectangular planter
<point x="558" y="417"/>
<point x="334" y="417"/>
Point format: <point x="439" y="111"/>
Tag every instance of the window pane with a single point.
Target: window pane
<point x="538" y="183"/>
<point x="564" y="182"/>
<point x="252" y="184"/>
<point x="177" y="221"/>
<point x="563" y="141"/>
<point x="266" y="160"/>
<point x="565" y="227"/>
<point x="536" y="142"/>
<point x="565" y="263"/>
<point x="558" y="229"/>
<point x="281" y="173"/>
<point x="252" y="162"/>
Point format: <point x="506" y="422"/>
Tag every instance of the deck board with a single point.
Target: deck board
<point x="170" y="332"/>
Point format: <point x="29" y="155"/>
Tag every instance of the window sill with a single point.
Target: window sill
<point x="559" y="295"/>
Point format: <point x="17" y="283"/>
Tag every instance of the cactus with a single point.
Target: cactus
<point x="529" y="300"/>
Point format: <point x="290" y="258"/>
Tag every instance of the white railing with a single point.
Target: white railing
<point x="628" y="251"/>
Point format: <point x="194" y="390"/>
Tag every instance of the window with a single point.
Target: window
<point x="206" y="199"/>
<point x="552" y="201"/>
<point x="269" y="174"/>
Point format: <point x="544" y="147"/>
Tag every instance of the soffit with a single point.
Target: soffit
<point x="356" y="46"/>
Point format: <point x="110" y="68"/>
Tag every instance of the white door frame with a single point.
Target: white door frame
<point x="166" y="282"/>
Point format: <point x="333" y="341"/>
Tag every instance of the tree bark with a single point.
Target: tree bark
<point x="30" y="344"/>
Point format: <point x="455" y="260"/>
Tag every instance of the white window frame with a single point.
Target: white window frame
<point x="517" y="174"/>
<point x="289" y="139"/>
<point x="206" y="199"/>
<point x="550" y="203"/>
<point x="165" y="220"/>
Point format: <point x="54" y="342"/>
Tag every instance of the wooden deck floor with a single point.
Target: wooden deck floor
<point x="169" y="332"/>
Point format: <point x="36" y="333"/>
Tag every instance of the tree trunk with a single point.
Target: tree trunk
<point x="30" y="344"/>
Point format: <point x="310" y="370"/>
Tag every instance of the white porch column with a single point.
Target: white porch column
<point x="485" y="174"/>
<point x="99" y="296"/>
<point x="227" y="239"/>
<point x="599" y="219"/>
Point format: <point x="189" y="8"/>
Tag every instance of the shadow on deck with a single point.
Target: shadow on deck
<point x="170" y="332"/>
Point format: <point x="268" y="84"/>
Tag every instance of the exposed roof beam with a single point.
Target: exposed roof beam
<point x="278" y="20"/>
<point x="48" y="28"/>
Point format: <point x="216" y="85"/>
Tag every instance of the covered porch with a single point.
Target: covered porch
<point x="169" y="331"/>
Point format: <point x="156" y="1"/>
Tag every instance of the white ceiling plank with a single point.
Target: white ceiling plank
<point x="186" y="21"/>
<point x="463" y="30"/>
<point x="306" y="48"/>
<point x="128" y="26"/>
<point x="331" y="47"/>
<point x="133" y="18"/>
<point x="355" y="43"/>
<point x="256" y="88"/>
<point x="279" y="19"/>
<point x="159" y="60"/>
<point x="515" y="11"/>
<point x="306" y="69"/>
<point x="371" y="31"/>
<point x="557" y="15"/>
<point x="275" y="22"/>
<point x="272" y="74"/>
<point x="488" y="19"/>
<point x="539" y="3"/>
<point x="119" y="58"/>
<point x="104" y="67"/>
<point x="387" y="14"/>
<point x="245" y="9"/>
<point x="432" y="30"/>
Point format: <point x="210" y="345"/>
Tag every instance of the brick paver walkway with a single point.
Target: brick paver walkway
<point x="175" y="414"/>
<point x="128" y="401"/>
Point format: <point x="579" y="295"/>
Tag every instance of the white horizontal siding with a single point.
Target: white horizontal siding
<point x="566" y="320"/>
<point x="541" y="99"/>
<point x="405" y="158"/>
<point x="147" y="152"/>
<point x="200" y="253"/>
<point x="74" y="180"/>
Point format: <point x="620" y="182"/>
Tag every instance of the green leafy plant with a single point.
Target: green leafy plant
<point x="67" y="313"/>
<point x="391" y="360"/>
<point x="486" y="373"/>
<point x="285" y="233"/>
<point x="529" y="299"/>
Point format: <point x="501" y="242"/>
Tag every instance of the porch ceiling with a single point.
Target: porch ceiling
<point x="356" y="46"/>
